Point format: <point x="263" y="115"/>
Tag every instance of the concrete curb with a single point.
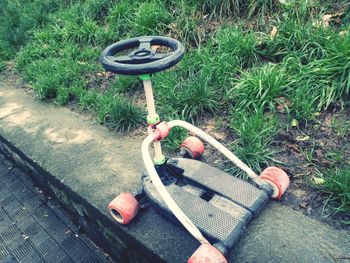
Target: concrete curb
<point x="85" y="166"/>
<point x="97" y="225"/>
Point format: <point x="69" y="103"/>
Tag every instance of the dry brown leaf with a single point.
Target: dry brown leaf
<point x="318" y="180"/>
<point x="273" y="32"/>
<point x="326" y="19"/>
<point x="155" y="47"/>
<point x="302" y="138"/>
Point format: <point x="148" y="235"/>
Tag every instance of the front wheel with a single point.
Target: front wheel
<point x="277" y="179"/>
<point x="207" y="253"/>
<point x="124" y="208"/>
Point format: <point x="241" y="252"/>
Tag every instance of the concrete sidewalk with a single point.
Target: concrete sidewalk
<point x="86" y="166"/>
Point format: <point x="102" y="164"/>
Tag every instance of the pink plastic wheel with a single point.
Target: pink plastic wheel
<point x="193" y="146"/>
<point x="207" y="253"/>
<point x="124" y="208"/>
<point x="278" y="180"/>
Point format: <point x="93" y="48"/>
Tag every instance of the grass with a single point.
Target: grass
<point x="337" y="188"/>
<point x="234" y="68"/>
<point x="260" y="88"/>
<point x="254" y="140"/>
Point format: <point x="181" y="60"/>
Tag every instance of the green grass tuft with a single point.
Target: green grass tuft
<point x="260" y="88"/>
<point x="337" y="187"/>
<point x="122" y="115"/>
<point x="254" y="138"/>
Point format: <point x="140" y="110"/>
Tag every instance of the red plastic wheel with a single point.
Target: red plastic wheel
<point x="193" y="146"/>
<point x="278" y="180"/>
<point x="207" y="253"/>
<point x="124" y="208"/>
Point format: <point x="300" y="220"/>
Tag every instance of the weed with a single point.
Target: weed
<point x="121" y="115"/>
<point x="241" y="45"/>
<point x="254" y="137"/>
<point x="224" y="8"/>
<point x="125" y="84"/>
<point x="188" y="98"/>
<point x="2" y="66"/>
<point x="337" y="187"/>
<point x="175" y="138"/>
<point x="341" y="126"/>
<point x="259" y="89"/>
<point x="187" y="26"/>
<point x="151" y="18"/>
<point x="18" y="17"/>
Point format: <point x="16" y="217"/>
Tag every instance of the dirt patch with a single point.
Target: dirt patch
<point x="308" y="151"/>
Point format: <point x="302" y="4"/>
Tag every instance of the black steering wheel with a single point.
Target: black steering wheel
<point x="143" y="59"/>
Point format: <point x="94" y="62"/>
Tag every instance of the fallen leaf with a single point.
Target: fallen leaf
<point x="294" y="123"/>
<point x="303" y="204"/>
<point x="280" y="108"/>
<point x="273" y="32"/>
<point x="155" y="47"/>
<point x="293" y="147"/>
<point x="318" y="180"/>
<point x="326" y="19"/>
<point x="302" y="138"/>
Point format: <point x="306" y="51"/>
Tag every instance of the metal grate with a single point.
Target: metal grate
<point x="7" y="200"/>
<point x="3" y="252"/>
<point x="46" y="246"/>
<point x="90" y="259"/>
<point x="22" y="251"/>
<point x="19" y="214"/>
<point x="2" y="215"/>
<point x="9" y="233"/>
<point x="69" y="243"/>
<point x="65" y="260"/>
<point x="32" y="229"/>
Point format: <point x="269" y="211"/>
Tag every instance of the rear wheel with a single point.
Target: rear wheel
<point x="192" y="147"/>
<point x="124" y="208"/>
<point x="277" y="179"/>
<point x="207" y="253"/>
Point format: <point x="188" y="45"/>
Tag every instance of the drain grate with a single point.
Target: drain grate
<point x="53" y="225"/>
<point x="65" y="260"/>
<point x="9" y="233"/>
<point x="2" y="215"/>
<point x="46" y="246"/>
<point x="41" y="213"/>
<point x="17" y="187"/>
<point x="3" y="252"/>
<point x="69" y="243"/>
<point x="19" y="214"/>
<point x="90" y="259"/>
<point x="27" y="197"/>
<point x="7" y="200"/>
<point x="22" y="251"/>
<point x="32" y="229"/>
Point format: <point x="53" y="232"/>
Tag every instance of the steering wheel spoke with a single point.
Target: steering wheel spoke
<point x="121" y="59"/>
<point x="145" y="43"/>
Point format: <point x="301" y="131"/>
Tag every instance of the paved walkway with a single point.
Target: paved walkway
<point x="32" y="230"/>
